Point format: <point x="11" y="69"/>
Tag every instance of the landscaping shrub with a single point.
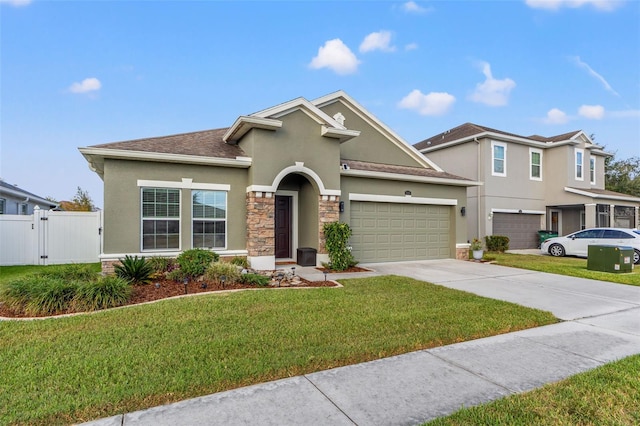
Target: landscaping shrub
<point x="176" y="275"/>
<point x="240" y="261"/>
<point x="194" y="262"/>
<point x="134" y="269"/>
<point x="72" y="272"/>
<point x="255" y="279"/>
<point x="17" y="293"/>
<point x="106" y="292"/>
<point x="218" y="269"/>
<point x="52" y="295"/>
<point x="161" y="264"/>
<point x="497" y="243"/>
<point x="337" y="238"/>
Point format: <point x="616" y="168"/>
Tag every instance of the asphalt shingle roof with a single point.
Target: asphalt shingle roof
<point x="403" y="170"/>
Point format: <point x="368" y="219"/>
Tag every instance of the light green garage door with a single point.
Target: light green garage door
<point x="387" y="232"/>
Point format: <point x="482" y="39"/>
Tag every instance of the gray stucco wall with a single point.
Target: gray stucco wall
<point x="122" y="221"/>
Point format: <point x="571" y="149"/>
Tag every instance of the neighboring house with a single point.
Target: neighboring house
<point x="265" y="186"/>
<point x="14" y="200"/>
<point x="531" y="183"/>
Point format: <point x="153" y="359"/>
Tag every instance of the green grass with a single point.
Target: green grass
<point x="65" y="370"/>
<point x="571" y="266"/>
<point x="608" y="395"/>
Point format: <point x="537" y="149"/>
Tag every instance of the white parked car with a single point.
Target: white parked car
<point x="577" y="244"/>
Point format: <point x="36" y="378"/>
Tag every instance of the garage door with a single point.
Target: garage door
<point x="522" y="229"/>
<point x="386" y="232"/>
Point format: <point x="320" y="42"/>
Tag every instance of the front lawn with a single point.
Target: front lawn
<point x="67" y="370"/>
<point x="572" y="266"/>
<point x="608" y="395"/>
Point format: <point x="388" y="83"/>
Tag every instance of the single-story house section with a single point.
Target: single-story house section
<point x="264" y="187"/>
<point x="15" y="200"/>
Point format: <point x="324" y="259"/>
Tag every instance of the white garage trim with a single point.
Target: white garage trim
<point x="402" y="200"/>
<point x="517" y="211"/>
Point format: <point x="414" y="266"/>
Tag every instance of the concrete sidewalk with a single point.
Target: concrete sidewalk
<point x="603" y="325"/>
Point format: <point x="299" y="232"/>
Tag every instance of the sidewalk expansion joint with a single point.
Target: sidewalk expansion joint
<point x="329" y="399"/>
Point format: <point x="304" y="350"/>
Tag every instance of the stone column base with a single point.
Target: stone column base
<point x="462" y="251"/>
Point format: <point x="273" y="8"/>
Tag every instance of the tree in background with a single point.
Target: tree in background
<point x="623" y="175"/>
<point x="81" y="202"/>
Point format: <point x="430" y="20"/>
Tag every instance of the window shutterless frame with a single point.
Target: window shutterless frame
<point x="535" y="164"/>
<point x="592" y="170"/>
<point x="160" y="219"/>
<point x="498" y="159"/>
<point x="579" y="164"/>
<point x="209" y="219"/>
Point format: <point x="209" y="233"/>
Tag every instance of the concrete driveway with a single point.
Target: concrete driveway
<point x="602" y="325"/>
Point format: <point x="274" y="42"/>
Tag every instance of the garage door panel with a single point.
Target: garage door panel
<point x="401" y="231"/>
<point x="522" y="229"/>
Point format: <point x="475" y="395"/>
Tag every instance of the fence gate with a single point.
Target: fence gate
<point x="50" y="238"/>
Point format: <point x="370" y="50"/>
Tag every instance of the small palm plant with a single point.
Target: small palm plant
<point x="134" y="269"/>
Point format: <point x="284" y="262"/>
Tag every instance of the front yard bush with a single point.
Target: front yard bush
<point x="194" y="262"/>
<point x="216" y="270"/>
<point x="255" y="279"/>
<point x="498" y="243"/>
<point x="337" y="236"/>
<point x="134" y="269"/>
<point x="71" y="272"/>
<point x="161" y="264"/>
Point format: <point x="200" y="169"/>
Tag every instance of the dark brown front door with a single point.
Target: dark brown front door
<point x="283" y="227"/>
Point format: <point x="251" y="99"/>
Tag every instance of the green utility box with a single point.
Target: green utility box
<point x="616" y="259"/>
<point x="544" y="235"/>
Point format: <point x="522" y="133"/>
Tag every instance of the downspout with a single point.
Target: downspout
<point x="479" y="187"/>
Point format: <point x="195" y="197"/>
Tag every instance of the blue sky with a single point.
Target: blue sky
<point x="80" y="73"/>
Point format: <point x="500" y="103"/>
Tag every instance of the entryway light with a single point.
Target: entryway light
<point x="463" y="211"/>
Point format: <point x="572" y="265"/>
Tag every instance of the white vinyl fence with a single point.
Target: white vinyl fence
<point x="50" y="238"/>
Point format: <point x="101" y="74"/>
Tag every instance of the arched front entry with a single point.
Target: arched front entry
<point x="288" y="215"/>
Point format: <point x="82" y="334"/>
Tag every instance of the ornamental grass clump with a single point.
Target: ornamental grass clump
<point x="255" y="279"/>
<point x="106" y="292"/>
<point x="217" y="270"/>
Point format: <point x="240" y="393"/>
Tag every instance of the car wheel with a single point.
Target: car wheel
<point x="556" y="250"/>
<point x="636" y="257"/>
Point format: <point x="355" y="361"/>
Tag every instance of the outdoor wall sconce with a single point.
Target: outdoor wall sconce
<point x="341" y="206"/>
<point x="463" y="211"/>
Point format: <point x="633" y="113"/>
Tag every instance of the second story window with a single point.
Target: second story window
<point x="579" y="159"/>
<point x="498" y="159"/>
<point x="535" y="166"/>
<point x="592" y="170"/>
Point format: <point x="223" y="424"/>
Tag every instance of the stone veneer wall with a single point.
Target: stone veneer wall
<point x="261" y="233"/>
<point x="462" y="253"/>
<point x="328" y="211"/>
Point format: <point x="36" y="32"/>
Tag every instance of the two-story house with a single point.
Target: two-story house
<point x="15" y="200"/>
<point x="531" y="183"/>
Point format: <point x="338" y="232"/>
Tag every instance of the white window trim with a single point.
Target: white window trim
<point x="592" y="161"/>
<point x="531" y="152"/>
<point x="575" y="164"/>
<point x="142" y="222"/>
<point x="185" y="183"/>
<point x="226" y="219"/>
<point x="493" y="158"/>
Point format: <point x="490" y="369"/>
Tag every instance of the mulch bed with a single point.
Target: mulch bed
<point x="168" y="288"/>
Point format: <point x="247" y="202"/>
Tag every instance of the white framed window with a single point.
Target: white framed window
<point x="498" y="159"/>
<point x="579" y="156"/>
<point x="535" y="164"/>
<point x="3" y="206"/>
<point x="209" y="219"/>
<point x="23" y="209"/>
<point x="160" y="219"/>
<point x="592" y="170"/>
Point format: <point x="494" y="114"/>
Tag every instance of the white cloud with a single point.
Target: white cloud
<point x="336" y="56"/>
<point x="492" y="92"/>
<point x="16" y="3"/>
<point x="592" y="112"/>
<point x="87" y="85"/>
<point x="556" y="116"/>
<point x="604" y="5"/>
<point x="411" y="46"/>
<point x="594" y="74"/>
<point x="377" y="41"/>
<point x="413" y="7"/>
<point x="435" y="103"/>
<point x="630" y="113"/>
